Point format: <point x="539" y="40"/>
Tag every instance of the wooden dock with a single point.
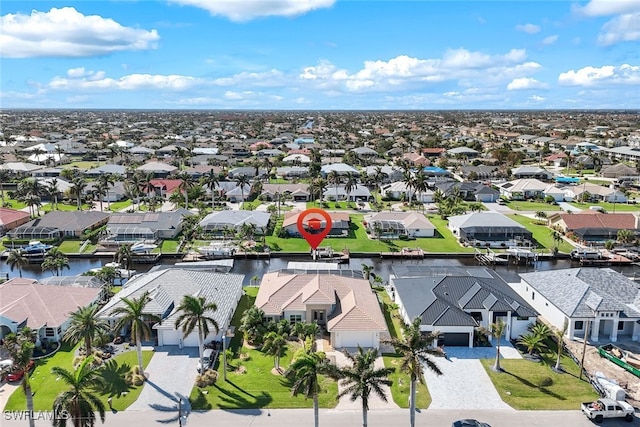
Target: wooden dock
<point x="489" y="257"/>
<point x="404" y="253"/>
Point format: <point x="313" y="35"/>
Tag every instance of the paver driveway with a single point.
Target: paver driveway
<point x="171" y="373"/>
<point x="464" y="383"/>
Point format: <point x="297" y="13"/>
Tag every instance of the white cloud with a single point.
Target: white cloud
<point x="128" y="82"/>
<point x="536" y="98"/>
<point x="607" y="74"/>
<point x="525" y="83"/>
<point x="621" y="28"/>
<point x="528" y="28"/>
<point x="65" y="32"/>
<point x="246" y="10"/>
<point x="607" y="7"/>
<point x="272" y="78"/>
<point x="550" y="40"/>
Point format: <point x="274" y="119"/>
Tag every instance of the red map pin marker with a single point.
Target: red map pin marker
<point x="312" y="232"/>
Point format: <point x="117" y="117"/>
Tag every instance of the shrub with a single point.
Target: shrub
<point x="545" y="382"/>
<point x="209" y="377"/>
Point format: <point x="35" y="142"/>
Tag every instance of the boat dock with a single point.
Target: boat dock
<point x="489" y="257"/>
<point x="404" y="253"/>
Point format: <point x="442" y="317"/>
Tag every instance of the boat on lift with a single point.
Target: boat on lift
<point x="35" y="247"/>
<point x="143" y="247"/>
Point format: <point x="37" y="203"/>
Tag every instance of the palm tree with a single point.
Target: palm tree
<point x="104" y="182"/>
<point x="350" y="184"/>
<point x="16" y="258"/>
<point x="366" y="271"/>
<point x="557" y="239"/>
<point x="133" y="314"/>
<point x="534" y="343"/>
<point x="78" y="401"/>
<point x="497" y="329"/>
<point x="624" y="236"/>
<point x="194" y="314"/>
<point x="56" y="260"/>
<point x="305" y="370"/>
<point x="335" y="179"/>
<point x="185" y="185"/>
<point x="415" y="349"/>
<point x="241" y="181"/>
<point x="362" y="378"/>
<point x="20" y="346"/>
<point x="53" y="191"/>
<point x="124" y="256"/>
<point x="409" y="182"/>
<point x="252" y="324"/>
<point x="541" y="215"/>
<point x="78" y="185"/>
<point x="211" y="181"/>
<point x="275" y="345"/>
<point x="5" y="175"/>
<point x="559" y="335"/>
<point x="85" y="325"/>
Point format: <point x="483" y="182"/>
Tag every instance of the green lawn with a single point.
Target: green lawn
<point x="531" y="206"/>
<point x="257" y="387"/>
<point x="82" y="165"/>
<point x="609" y="207"/>
<point x="342" y="205"/>
<point x="541" y="233"/>
<point x="390" y="311"/>
<point x="169" y="246"/>
<point x="118" y="206"/>
<point x="73" y="247"/>
<point x="63" y="207"/>
<point x="251" y="206"/>
<point x="14" y="204"/>
<point x="46" y="386"/>
<point x="400" y="389"/>
<point x="527" y="385"/>
<point x="359" y="241"/>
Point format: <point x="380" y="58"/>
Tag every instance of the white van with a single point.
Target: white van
<point x="207" y="360"/>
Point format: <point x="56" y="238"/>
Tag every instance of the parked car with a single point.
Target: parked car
<point x="17" y="374"/>
<point x="207" y="360"/>
<point x="608" y="408"/>
<point x="469" y="423"/>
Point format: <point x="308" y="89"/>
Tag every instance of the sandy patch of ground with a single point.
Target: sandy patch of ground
<point x="593" y="363"/>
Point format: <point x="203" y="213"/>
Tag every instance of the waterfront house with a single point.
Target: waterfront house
<point x="454" y="301"/>
<point x="296" y="192"/>
<point x="602" y="297"/>
<point x="216" y="222"/>
<point x="592" y="226"/>
<point x="340" y="223"/>
<point x="167" y="288"/>
<point x="144" y="226"/>
<point x="345" y="306"/>
<point x="60" y="224"/>
<point x="392" y="225"/>
<point x="488" y="228"/>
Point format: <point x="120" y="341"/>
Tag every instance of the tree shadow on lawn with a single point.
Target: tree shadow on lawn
<point x="114" y="378"/>
<point x="532" y="385"/>
<point x="232" y="400"/>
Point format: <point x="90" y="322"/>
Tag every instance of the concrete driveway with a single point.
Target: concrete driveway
<point x="374" y="401"/>
<point x="464" y="383"/>
<point x="171" y="373"/>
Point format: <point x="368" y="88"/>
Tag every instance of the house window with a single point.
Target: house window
<point x="533" y="295"/>
<point x="620" y="326"/>
<point x="579" y="325"/>
<point x="295" y="318"/>
<point x="522" y="318"/>
<point x="49" y="332"/>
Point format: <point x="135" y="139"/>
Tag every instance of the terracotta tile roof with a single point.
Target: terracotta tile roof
<point x="356" y="306"/>
<point x="591" y="219"/>
<point x="26" y="299"/>
<point x="168" y="185"/>
<point x="8" y="216"/>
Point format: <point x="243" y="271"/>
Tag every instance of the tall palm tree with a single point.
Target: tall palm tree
<point x="85" y="325"/>
<point x="104" y="182"/>
<point x="133" y="313"/>
<point x="56" y="260"/>
<point x="16" y="258"/>
<point x="409" y="182"/>
<point x="275" y="344"/>
<point x="497" y="329"/>
<point x="211" y="181"/>
<point x="196" y="313"/>
<point x="78" y="185"/>
<point x="559" y="335"/>
<point x="124" y="256"/>
<point x="415" y="349"/>
<point x="366" y="271"/>
<point x="305" y="370"/>
<point x="20" y="346"/>
<point x="335" y="179"/>
<point x="185" y="185"/>
<point x="362" y="378"/>
<point x="350" y="184"/>
<point x="77" y="400"/>
<point x="5" y="175"/>
<point x="241" y="181"/>
<point x="53" y="191"/>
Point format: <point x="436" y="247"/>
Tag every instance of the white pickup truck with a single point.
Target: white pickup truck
<point x="608" y="408"/>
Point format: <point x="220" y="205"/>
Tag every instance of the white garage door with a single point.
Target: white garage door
<point x="354" y="339"/>
<point x="172" y="337"/>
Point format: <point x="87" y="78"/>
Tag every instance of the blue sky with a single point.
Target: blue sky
<point x="320" y="54"/>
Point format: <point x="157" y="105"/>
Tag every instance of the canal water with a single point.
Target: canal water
<point x="258" y="267"/>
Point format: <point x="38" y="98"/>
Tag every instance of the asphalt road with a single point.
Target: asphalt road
<point x="335" y="418"/>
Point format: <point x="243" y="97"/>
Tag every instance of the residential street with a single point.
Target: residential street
<point x="340" y="418"/>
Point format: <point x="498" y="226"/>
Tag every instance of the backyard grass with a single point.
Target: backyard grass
<point x="541" y="233"/>
<point x="390" y="310"/>
<point x="359" y="241"/>
<point x="531" y="206"/>
<point x="251" y="206"/>
<point x="118" y="206"/>
<point x="526" y="385"/>
<point x="400" y="388"/>
<point x="82" y="165"/>
<point x="169" y="246"/>
<point x="257" y="387"/>
<point x="46" y="386"/>
<point x="73" y="247"/>
<point x="63" y="207"/>
<point x="14" y="204"/>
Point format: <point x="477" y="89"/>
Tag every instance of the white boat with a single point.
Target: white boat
<point x="217" y="249"/>
<point x="142" y="247"/>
